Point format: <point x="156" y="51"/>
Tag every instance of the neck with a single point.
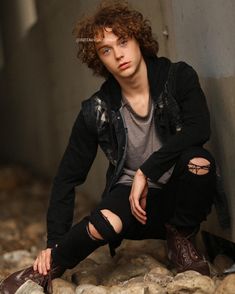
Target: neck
<point x="136" y="85"/>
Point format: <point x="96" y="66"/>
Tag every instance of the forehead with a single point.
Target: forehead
<point x="105" y="36"/>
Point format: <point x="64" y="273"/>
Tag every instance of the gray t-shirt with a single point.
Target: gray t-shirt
<point x="142" y="142"/>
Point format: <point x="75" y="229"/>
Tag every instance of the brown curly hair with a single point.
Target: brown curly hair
<point x="124" y="23"/>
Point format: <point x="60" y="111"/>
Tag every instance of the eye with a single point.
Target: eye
<point x="105" y="50"/>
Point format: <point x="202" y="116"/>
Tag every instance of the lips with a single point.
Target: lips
<point x="123" y="65"/>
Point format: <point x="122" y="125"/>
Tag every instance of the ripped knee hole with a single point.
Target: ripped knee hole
<point x="111" y="218"/>
<point x="199" y="166"/>
<point x="93" y="233"/>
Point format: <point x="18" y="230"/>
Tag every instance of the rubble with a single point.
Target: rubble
<point x="138" y="267"/>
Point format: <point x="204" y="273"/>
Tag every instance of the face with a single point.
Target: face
<point x="121" y="57"/>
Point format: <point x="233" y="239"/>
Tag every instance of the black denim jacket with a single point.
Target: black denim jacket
<point x="181" y="121"/>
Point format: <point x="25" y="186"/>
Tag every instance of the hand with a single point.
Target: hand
<point x="42" y="263"/>
<point x="138" y="196"/>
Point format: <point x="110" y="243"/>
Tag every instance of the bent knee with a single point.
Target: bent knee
<point x="94" y="234"/>
<point x="112" y="220"/>
<point x="199" y="165"/>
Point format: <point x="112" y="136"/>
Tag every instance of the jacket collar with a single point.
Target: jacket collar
<point x="157" y="70"/>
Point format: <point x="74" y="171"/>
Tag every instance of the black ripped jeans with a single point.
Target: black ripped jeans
<point x="185" y="201"/>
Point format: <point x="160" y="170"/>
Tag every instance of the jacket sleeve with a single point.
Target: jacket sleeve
<point x="73" y="169"/>
<point x="195" y="129"/>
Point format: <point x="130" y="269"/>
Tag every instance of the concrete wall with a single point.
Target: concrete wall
<point x="203" y="34"/>
<point x="71" y="82"/>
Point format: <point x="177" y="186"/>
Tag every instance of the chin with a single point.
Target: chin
<point x="128" y="72"/>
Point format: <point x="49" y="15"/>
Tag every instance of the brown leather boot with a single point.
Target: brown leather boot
<point x="12" y="283"/>
<point x="182" y="252"/>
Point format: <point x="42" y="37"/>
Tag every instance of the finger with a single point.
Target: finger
<point x="143" y="199"/>
<point x="135" y="213"/>
<point x="48" y="260"/>
<point x="142" y="221"/>
<point x="145" y="192"/>
<point x="143" y="202"/>
<point x="135" y="204"/>
<point x="35" y="265"/>
<point x="139" y="208"/>
<point x="133" y="210"/>
<point x="131" y="204"/>
<point x="39" y="264"/>
<point x="44" y="269"/>
<point x="139" y="216"/>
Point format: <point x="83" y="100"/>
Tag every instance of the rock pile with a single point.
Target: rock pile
<point x="139" y="267"/>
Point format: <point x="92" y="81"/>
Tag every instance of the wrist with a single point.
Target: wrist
<point x="140" y="173"/>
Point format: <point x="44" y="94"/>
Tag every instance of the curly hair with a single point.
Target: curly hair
<point x="124" y="22"/>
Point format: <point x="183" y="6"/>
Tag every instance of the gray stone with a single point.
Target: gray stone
<point x="92" y="273"/>
<point x="139" y="279"/>
<point x="25" y="262"/>
<point x="227" y="286"/>
<point x="128" y="268"/>
<point x="61" y="286"/>
<point x="125" y="272"/>
<point x="154" y="288"/>
<point x="134" y="288"/>
<point x="191" y="282"/>
<point x="101" y="255"/>
<point x="87" y="278"/>
<point x="162" y="278"/>
<point x="134" y="248"/>
<point x="137" y="288"/>
<point x="138" y="267"/>
<point x="83" y="274"/>
<point x="29" y="287"/>
<point x="16" y="255"/>
<point x="91" y="289"/>
<point x="147" y="261"/>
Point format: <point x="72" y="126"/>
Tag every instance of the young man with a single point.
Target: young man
<point x="160" y="182"/>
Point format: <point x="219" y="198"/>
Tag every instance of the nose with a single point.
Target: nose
<point x="118" y="53"/>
